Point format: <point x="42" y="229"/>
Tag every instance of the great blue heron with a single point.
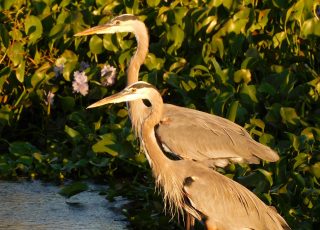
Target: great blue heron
<point x="186" y="133"/>
<point x="190" y="186"/>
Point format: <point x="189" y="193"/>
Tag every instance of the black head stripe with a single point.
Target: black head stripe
<point x="141" y="84"/>
<point x="125" y="17"/>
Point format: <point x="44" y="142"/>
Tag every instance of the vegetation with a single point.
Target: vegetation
<point x="254" y="62"/>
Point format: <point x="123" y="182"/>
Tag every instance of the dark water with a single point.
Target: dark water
<point x="35" y="205"/>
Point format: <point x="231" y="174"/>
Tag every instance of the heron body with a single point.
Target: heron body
<point x="190" y="186"/>
<point x="206" y="138"/>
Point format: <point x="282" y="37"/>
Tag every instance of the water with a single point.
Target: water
<point x="35" y="205"/>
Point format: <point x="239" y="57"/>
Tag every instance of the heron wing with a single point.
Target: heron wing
<point x="192" y="134"/>
<point x="232" y="205"/>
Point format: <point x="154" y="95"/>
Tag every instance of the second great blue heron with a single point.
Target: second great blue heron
<point x="186" y="133"/>
<point x="190" y="186"/>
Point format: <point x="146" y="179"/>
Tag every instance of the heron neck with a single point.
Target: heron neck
<point x="157" y="158"/>
<point x="141" y="34"/>
<point x="135" y="107"/>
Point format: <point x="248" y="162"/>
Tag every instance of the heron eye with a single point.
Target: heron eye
<point x="133" y="90"/>
<point x="117" y="22"/>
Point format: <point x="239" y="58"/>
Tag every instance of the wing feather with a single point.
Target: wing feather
<point x="200" y="136"/>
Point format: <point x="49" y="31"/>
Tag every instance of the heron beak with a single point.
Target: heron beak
<point x="122" y="96"/>
<point x="101" y="29"/>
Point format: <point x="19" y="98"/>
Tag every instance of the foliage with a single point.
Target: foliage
<point x="254" y="62"/>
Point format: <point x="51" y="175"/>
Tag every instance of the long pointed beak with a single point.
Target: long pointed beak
<point x="122" y="96"/>
<point x="101" y="29"/>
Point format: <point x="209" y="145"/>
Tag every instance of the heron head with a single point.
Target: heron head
<point x="122" y="23"/>
<point x="135" y="91"/>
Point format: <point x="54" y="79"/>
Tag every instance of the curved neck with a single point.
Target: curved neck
<point x="163" y="168"/>
<point x="141" y="34"/>
<point x="157" y="158"/>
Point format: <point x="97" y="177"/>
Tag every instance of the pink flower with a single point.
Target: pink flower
<point x="50" y="98"/>
<point x="80" y="83"/>
<point x="108" y="75"/>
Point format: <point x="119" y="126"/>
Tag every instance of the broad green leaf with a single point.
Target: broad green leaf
<point x="4" y="35"/>
<point x="106" y="145"/>
<point x="108" y="43"/>
<point x="122" y="113"/>
<point x="33" y="28"/>
<point x="70" y="62"/>
<point x="310" y="27"/>
<point x="26" y="160"/>
<point x="267" y="139"/>
<point x="57" y="31"/>
<point x="4" y="74"/>
<point x="96" y="45"/>
<point x="248" y="93"/>
<point x="153" y="3"/>
<point x="242" y="75"/>
<point x="267" y="175"/>
<point x="289" y="116"/>
<point x="6" y="4"/>
<point x="72" y="133"/>
<point x="6" y="114"/>
<point x="38" y="156"/>
<point x="22" y="148"/>
<point x="176" y="35"/>
<point x="232" y="112"/>
<point x="315" y="169"/>
<point x="257" y="122"/>
<point x="67" y="103"/>
<point x="278" y="38"/>
<point x="20" y="71"/>
<point x="152" y="62"/>
<point x="16" y="53"/>
<point x="267" y="89"/>
<point x="299" y="179"/>
<point x="311" y="133"/>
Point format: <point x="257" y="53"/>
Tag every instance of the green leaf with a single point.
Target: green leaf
<point x="57" y="31"/>
<point x="67" y="103"/>
<point x="96" y="45"/>
<point x="22" y="148"/>
<point x="106" y="145"/>
<point x="232" y="112"/>
<point x="5" y="114"/>
<point x="73" y="189"/>
<point x="74" y="134"/>
<point x="33" y="28"/>
<point x="20" y="71"/>
<point x="6" y="4"/>
<point x="176" y="35"/>
<point x="310" y="27"/>
<point x="4" y="74"/>
<point x="289" y="116"/>
<point x="16" y="53"/>
<point x="242" y="75"/>
<point x="248" y="93"/>
<point x="4" y="35"/>
<point x="315" y="169"/>
<point x="70" y="62"/>
<point x="153" y="3"/>
<point x="267" y="175"/>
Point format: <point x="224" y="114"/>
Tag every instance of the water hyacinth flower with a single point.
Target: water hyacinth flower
<point x="84" y="65"/>
<point x="108" y="75"/>
<point x="80" y="83"/>
<point x="59" y="66"/>
<point x="50" y="98"/>
<point x="58" y="69"/>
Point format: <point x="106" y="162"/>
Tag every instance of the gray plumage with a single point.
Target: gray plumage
<point x="191" y="187"/>
<point x="187" y="133"/>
